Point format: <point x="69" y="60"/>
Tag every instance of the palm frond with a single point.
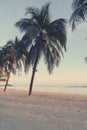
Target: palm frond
<point x="55" y="54"/>
<point x="34" y="11"/>
<point x="49" y="60"/>
<point x="57" y="30"/>
<point x="9" y="44"/>
<point x="77" y="3"/>
<point x="56" y="44"/>
<point x="23" y="24"/>
<point x="45" y="15"/>
<point x="40" y="17"/>
<point x="79" y="13"/>
<point x="29" y="27"/>
<point x="51" y="56"/>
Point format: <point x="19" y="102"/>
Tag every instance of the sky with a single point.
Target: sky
<point x="72" y="69"/>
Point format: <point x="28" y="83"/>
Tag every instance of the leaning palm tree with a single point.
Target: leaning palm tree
<point x="79" y="12"/>
<point x="42" y="38"/>
<point x="13" y="58"/>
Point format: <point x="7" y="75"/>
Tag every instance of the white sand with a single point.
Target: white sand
<point x="42" y="111"/>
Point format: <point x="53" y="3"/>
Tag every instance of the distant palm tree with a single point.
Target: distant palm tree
<point x="42" y="38"/>
<point x="79" y="12"/>
<point x="2" y="63"/>
<point x="13" y="56"/>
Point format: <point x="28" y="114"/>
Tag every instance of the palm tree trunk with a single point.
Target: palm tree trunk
<point x="8" y="76"/>
<point x="7" y="82"/>
<point x="32" y="77"/>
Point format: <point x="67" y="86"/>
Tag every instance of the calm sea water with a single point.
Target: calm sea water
<point x="54" y="89"/>
<point x="57" y="89"/>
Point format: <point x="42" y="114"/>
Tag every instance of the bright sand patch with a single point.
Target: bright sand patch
<point x="42" y="111"/>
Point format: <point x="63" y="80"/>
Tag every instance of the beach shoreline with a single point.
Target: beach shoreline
<point x="50" y="111"/>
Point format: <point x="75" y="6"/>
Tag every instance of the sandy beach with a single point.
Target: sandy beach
<point x="42" y="111"/>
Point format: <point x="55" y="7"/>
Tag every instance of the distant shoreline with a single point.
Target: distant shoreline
<point x="10" y="85"/>
<point x="77" y="90"/>
<point x="78" y="86"/>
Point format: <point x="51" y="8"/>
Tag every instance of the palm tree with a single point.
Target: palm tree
<point x="79" y="12"/>
<point x="42" y="38"/>
<point x="2" y="63"/>
<point x="13" y="55"/>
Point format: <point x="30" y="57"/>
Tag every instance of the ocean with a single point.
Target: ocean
<point x="56" y="89"/>
<point x="68" y="89"/>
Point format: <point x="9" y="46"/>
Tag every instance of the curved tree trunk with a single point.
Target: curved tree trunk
<point x="8" y="76"/>
<point x="33" y="74"/>
<point x="7" y="82"/>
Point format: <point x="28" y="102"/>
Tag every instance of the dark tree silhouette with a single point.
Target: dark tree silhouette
<point x="79" y="12"/>
<point x="13" y="58"/>
<point x="42" y="38"/>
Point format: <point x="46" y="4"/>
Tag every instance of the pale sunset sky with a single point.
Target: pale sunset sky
<point x="72" y="69"/>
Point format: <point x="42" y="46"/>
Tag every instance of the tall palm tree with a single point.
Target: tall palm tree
<point x="42" y="38"/>
<point x="79" y="12"/>
<point x="13" y="57"/>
